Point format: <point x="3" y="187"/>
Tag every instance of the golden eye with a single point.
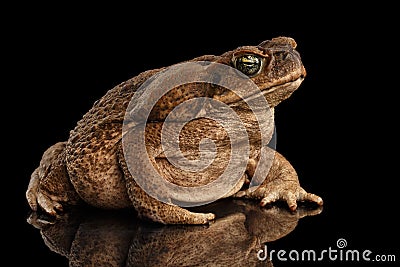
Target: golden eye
<point x="248" y="64"/>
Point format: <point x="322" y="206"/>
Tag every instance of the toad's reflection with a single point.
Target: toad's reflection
<point x="99" y="238"/>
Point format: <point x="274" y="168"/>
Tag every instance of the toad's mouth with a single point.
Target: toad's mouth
<point x="286" y="88"/>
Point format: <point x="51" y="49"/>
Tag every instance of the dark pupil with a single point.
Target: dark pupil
<point x="248" y="64"/>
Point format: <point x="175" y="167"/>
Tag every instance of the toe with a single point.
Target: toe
<point x="32" y="190"/>
<point x="32" y="201"/>
<point x="268" y="199"/>
<point x="240" y="194"/>
<point x="291" y="200"/>
<point x="204" y="218"/>
<point x="315" y="198"/>
<point x="58" y="206"/>
<point x="48" y="205"/>
<point x="210" y="216"/>
<point x="304" y="196"/>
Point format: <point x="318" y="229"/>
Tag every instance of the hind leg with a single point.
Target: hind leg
<point x="152" y="209"/>
<point x="49" y="187"/>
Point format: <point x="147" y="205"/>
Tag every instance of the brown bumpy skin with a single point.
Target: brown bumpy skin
<point x="91" y="167"/>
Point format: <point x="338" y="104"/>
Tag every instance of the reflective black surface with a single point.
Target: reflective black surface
<point x="89" y="237"/>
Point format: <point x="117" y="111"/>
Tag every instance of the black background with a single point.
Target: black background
<point x="338" y="129"/>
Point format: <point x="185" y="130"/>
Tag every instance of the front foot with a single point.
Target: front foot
<point x="278" y="190"/>
<point x="49" y="187"/>
<point x="37" y="197"/>
<point x="281" y="184"/>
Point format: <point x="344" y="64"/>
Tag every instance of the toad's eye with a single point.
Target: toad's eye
<point x="248" y="64"/>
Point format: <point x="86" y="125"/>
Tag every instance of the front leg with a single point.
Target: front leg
<point x="281" y="183"/>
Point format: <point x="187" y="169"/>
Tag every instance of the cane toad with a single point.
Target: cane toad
<point x="91" y="165"/>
